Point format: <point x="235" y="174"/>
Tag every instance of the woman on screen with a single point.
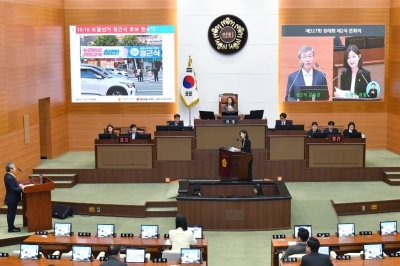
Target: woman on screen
<point x="181" y="237"/>
<point x="230" y="106"/>
<point x="354" y="82"/>
<point x="258" y="190"/>
<point x="351" y="128"/>
<point x="110" y="130"/>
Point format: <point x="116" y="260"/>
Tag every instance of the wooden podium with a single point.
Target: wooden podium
<point x="234" y="166"/>
<point x="36" y="204"/>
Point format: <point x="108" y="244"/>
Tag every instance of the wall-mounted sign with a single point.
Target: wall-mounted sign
<point x="227" y="34"/>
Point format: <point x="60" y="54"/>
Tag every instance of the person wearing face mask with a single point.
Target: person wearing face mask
<point x="353" y="83"/>
<point x="305" y="76"/>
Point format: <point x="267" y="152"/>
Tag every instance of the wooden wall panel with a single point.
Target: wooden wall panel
<point x="43" y="3"/>
<point x="335" y="4"/>
<point x="128" y="4"/>
<point x="393" y="142"/>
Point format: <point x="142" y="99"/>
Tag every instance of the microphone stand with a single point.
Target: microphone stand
<point x="231" y="143"/>
<point x="291" y="86"/>
<point x="362" y="74"/>
<point x="25" y="173"/>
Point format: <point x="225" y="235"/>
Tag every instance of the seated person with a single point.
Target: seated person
<point x="114" y="257"/>
<point x="230" y="106"/>
<point x="196" y="190"/>
<point x="133" y="132"/>
<point x="282" y="121"/>
<point x="181" y="237"/>
<point x="110" y="130"/>
<point x="314" y="129"/>
<point x="258" y="190"/>
<point x="331" y="129"/>
<point x="313" y="257"/>
<point x="177" y="121"/>
<point x="351" y="128"/>
<point x="300" y="246"/>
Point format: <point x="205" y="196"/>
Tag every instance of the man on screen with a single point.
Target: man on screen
<point x="305" y="76"/>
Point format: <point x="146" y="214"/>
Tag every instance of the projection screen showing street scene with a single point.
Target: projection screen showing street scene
<point x="122" y="63"/>
<point x="332" y="63"/>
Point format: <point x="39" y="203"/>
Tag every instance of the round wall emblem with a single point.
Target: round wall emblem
<point x="227" y="34"/>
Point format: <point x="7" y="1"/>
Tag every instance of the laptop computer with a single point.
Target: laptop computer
<point x="319" y="135"/>
<point x="297" y="227"/>
<point x="256" y="114"/>
<point x="105" y="230"/>
<point x="161" y="128"/>
<point x="355" y="135"/>
<point x="175" y="128"/>
<point x="388" y="228"/>
<point x="197" y="231"/>
<point x="285" y="127"/>
<point x="297" y="127"/>
<point x="229" y="113"/>
<point x="207" y="115"/>
<point x="313" y="93"/>
<point x="373" y="251"/>
<point x="29" y="251"/>
<point x="190" y="256"/>
<point x="145" y="136"/>
<point x="104" y="136"/>
<point x="346" y="229"/>
<point x="135" y="255"/>
<point x="62" y="229"/>
<point x="323" y="250"/>
<point x="81" y="253"/>
<point x="149" y="231"/>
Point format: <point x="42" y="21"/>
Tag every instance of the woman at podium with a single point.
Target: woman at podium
<point x="245" y="146"/>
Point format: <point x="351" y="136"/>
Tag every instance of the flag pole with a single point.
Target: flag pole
<point x="190" y="108"/>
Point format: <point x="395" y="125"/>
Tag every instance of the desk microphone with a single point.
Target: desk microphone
<point x="291" y="86"/>
<point x="327" y="81"/>
<point x="232" y="142"/>
<point x="362" y="74"/>
<point x="343" y="72"/>
<point x="25" y="173"/>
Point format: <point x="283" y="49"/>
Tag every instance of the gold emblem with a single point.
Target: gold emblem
<point x="224" y="163"/>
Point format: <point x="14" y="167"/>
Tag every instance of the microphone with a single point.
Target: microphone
<point x="343" y="72"/>
<point x="291" y="86"/>
<point x="362" y="74"/>
<point x="25" y="173"/>
<point x="327" y="81"/>
<point x="232" y="143"/>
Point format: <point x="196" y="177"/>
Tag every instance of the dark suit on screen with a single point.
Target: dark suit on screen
<point x="278" y="123"/>
<point x="291" y="93"/>
<point x="334" y="131"/>
<point x="113" y="261"/>
<point x="245" y="146"/>
<point x="316" y="259"/>
<point x="13" y="196"/>
<point x="172" y="123"/>
<point x="360" y="84"/>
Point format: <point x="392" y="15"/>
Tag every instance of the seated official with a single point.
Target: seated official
<point x="331" y="129"/>
<point x="300" y="246"/>
<point x="230" y="106"/>
<point x="196" y="190"/>
<point x="110" y="130"/>
<point x="181" y="237"/>
<point x="177" y="121"/>
<point x="314" y="129"/>
<point x="133" y="132"/>
<point x="351" y="128"/>
<point x="114" y="257"/>
<point x="282" y="121"/>
<point x="313" y="258"/>
<point x="258" y="190"/>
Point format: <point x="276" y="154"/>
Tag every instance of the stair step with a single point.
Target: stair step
<point x="153" y="209"/>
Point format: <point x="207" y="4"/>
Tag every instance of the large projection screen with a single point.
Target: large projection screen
<point x="332" y="63"/>
<point x="122" y="63"/>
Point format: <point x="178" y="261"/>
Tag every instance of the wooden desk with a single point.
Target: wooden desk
<point x="356" y="262"/>
<point x="285" y="144"/>
<point x="324" y="153"/>
<point x="15" y="261"/>
<point x="137" y="154"/>
<point x="174" y="145"/>
<point x="341" y="245"/>
<point x="152" y="245"/>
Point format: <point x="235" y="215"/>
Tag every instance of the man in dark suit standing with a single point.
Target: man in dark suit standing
<point x="331" y="129"/>
<point x="113" y="257"/>
<point x="177" y="121"/>
<point x="306" y="76"/>
<point x="314" y="258"/>
<point x="13" y="196"/>
<point x="282" y="121"/>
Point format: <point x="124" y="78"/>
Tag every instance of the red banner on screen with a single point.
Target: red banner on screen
<point x="224" y="165"/>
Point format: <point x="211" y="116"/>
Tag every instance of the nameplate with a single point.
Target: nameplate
<point x="343" y="257"/>
<point x="161" y="260"/>
<point x="4" y="254"/>
<point x="124" y="140"/>
<point x="166" y="235"/>
<point x="278" y="236"/>
<point x="126" y="234"/>
<point x="365" y="233"/>
<point x="289" y="260"/>
<point x="42" y="233"/>
<point x="53" y="257"/>
<point x="335" y="138"/>
<point x="84" y="234"/>
<point x="323" y="235"/>
<point x="230" y="121"/>
<point x="103" y="258"/>
<point x="394" y="254"/>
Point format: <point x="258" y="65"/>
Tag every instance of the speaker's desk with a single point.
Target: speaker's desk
<point x="174" y="145"/>
<point x="349" y="152"/>
<point x="341" y="245"/>
<point x="356" y="262"/>
<point x="15" y="261"/>
<point x="133" y="154"/>
<point x="152" y="245"/>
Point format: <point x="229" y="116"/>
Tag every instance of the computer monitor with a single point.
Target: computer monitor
<point x="313" y="93"/>
<point x="175" y="128"/>
<point x="187" y="128"/>
<point x="62" y="229"/>
<point x="161" y="128"/>
<point x="355" y="135"/>
<point x="149" y="231"/>
<point x="346" y="229"/>
<point x="297" y="227"/>
<point x="229" y="113"/>
<point x="256" y="114"/>
<point x="197" y="231"/>
<point x="297" y="127"/>
<point x="145" y="136"/>
<point x="81" y="253"/>
<point x="135" y="255"/>
<point x="285" y="127"/>
<point x="105" y="230"/>
<point x="319" y="135"/>
<point x="323" y="250"/>
<point x="373" y="251"/>
<point x="190" y="255"/>
<point x="207" y="115"/>
<point x="104" y="136"/>
<point x="388" y="228"/>
<point x="29" y="251"/>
